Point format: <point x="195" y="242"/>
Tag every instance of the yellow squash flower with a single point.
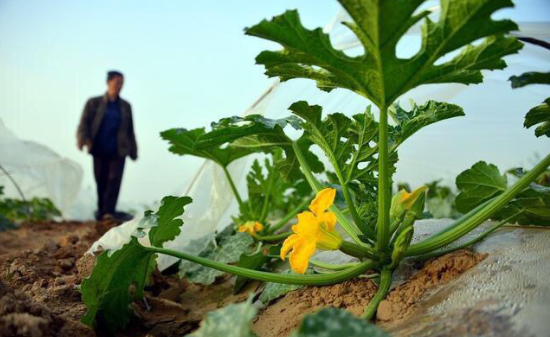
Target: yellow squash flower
<point x="315" y="229"/>
<point x="251" y="227"/>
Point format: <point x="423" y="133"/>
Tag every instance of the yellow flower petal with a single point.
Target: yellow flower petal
<point x="307" y="224"/>
<point x="323" y="201"/>
<point x="300" y="255"/>
<point x="329" y="219"/>
<point x="288" y="245"/>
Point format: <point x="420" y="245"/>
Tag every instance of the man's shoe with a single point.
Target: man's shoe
<point x="123" y="216"/>
<point x="107" y="216"/>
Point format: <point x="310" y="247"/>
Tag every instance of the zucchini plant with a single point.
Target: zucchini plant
<point x="361" y="149"/>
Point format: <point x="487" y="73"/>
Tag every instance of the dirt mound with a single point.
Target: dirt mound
<point x="39" y="275"/>
<point x="41" y="266"/>
<point x="282" y="317"/>
<point x="21" y="316"/>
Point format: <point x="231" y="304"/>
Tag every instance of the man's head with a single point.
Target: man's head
<point x="115" y="80"/>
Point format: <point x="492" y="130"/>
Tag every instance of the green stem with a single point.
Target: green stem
<point x="474" y="219"/>
<point x="409" y="221"/>
<point x="234" y="188"/>
<point x="316" y="187"/>
<point x="273" y="238"/>
<point x="384" y="188"/>
<point x="467" y="243"/>
<point x="354" y="215"/>
<point x="383" y="289"/>
<point x="288" y="217"/>
<point x="359" y="251"/>
<point x="263" y="215"/>
<point x="333" y="278"/>
<point x="331" y="266"/>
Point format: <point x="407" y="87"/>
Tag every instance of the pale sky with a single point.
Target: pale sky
<point x="186" y="63"/>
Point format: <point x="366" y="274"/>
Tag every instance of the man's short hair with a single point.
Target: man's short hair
<point x="112" y="74"/>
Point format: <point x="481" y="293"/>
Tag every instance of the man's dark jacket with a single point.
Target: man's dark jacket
<point x="91" y="120"/>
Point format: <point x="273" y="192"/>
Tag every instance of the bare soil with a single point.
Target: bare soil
<point x="41" y="265"/>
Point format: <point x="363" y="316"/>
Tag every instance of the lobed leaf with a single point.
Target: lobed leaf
<point x="379" y="74"/>
<point x="106" y="292"/>
<point x="235" y="320"/>
<point x="478" y="184"/>
<point x="226" y="249"/>
<point x="273" y="291"/>
<point x="255" y="133"/>
<point x="184" y="142"/>
<point x="483" y="182"/>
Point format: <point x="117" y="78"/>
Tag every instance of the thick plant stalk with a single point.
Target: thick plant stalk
<point x="474" y="219"/>
<point x="383" y="289"/>
<point x="359" y="251"/>
<point x="331" y="266"/>
<point x="384" y="188"/>
<point x="324" y="279"/>
<point x="468" y="243"/>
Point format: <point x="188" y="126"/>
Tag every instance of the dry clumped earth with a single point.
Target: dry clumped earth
<point x="41" y="265"/>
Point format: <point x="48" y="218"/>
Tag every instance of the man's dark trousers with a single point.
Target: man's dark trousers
<point x="108" y="176"/>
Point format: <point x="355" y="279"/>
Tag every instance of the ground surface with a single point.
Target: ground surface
<point x="40" y="265"/>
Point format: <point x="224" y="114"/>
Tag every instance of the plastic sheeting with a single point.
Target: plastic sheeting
<point x="506" y="294"/>
<point x="493" y="104"/>
<point x="39" y="172"/>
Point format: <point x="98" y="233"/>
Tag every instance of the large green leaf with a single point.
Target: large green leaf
<point x="332" y="322"/>
<point x="224" y="249"/>
<point x="379" y="74"/>
<point x="530" y="78"/>
<point x="483" y="181"/>
<point x="184" y="142"/>
<point x="539" y="115"/>
<point x="410" y="122"/>
<point x="478" y="184"/>
<point x="255" y="133"/>
<point x="235" y="320"/>
<point x="106" y="292"/>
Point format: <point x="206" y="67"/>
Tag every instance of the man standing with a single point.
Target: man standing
<point x="107" y="130"/>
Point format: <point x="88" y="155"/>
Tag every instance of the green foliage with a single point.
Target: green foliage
<point x="334" y="322"/>
<point x="541" y="113"/>
<point x="478" y="184"/>
<point x="224" y="248"/>
<point x="409" y="122"/>
<point x="275" y="290"/>
<point x="255" y="133"/>
<point x="440" y="201"/>
<point x="5" y="223"/>
<point x="235" y="320"/>
<point x="483" y="182"/>
<point x="269" y="195"/>
<point x="184" y="142"/>
<point x="530" y="78"/>
<point x="106" y="292"/>
<point x="35" y="209"/>
<point x="254" y="261"/>
<point x="379" y="74"/>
